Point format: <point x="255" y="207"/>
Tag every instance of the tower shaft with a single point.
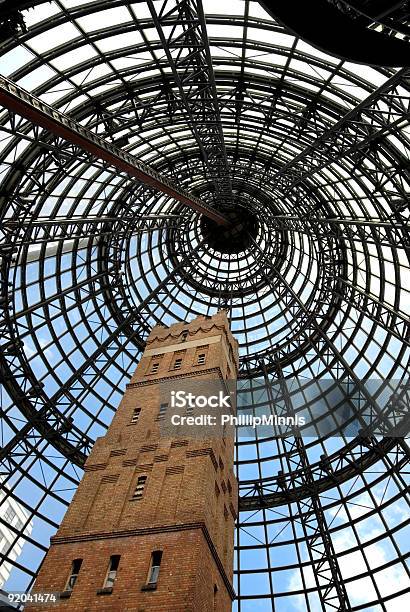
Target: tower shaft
<point x="151" y="525"/>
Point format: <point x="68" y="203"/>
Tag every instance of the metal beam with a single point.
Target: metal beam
<point x="382" y="112"/>
<point x="47" y="415"/>
<point x="181" y="26"/>
<point x="331" y="589"/>
<point x="49" y="231"/>
<point x="383" y="233"/>
<point x="35" y="110"/>
<point x="353" y="458"/>
<point x="137" y="327"/>
<point x="388" y="317"/>
<point x="344" y="221"/>
<point x="325" y="348"/>
<point x="58" y="221"/>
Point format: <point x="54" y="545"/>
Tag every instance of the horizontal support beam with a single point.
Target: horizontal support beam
<point x="345" y="221"/>
<point x="60" y="221"/>
<point x="369" y="231"/>
<point x="64" y="229"/>
<point x="33" y="109"/>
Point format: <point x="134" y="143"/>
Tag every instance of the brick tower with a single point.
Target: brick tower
<point x="151" y="525"/>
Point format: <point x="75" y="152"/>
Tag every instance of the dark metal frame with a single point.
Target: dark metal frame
<point x="278" y="147"/>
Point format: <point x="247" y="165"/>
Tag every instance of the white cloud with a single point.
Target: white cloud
<point x="361" y="590"/>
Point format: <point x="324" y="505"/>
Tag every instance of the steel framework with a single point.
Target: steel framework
<point x="118" y="140"/>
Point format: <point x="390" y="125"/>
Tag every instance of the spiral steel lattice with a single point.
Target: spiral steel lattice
<point x="313" y="171"/>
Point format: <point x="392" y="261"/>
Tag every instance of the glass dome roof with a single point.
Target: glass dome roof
<point x="316" y="282"/>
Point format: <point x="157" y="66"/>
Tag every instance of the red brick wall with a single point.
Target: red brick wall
<point x="186" y="580"/>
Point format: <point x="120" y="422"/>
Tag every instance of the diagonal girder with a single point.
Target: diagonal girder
<point x="35" y="110"/>
<point x="378" y="115"/>
<point x="388" y="317"/>
<point x="186" y="46"/>
<point x="331" y="589"/>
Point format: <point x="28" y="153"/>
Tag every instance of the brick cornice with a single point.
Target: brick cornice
<point x="125" y="533"/>
<point x="157" y="381"/>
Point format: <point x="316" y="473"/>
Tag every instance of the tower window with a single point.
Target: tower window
<point x="154" y="567"/>
<point x="75" y="570"/>
<point x="178" y="363"/>
<point x="184" y="336"/>
<point x="154" y="367"/>
<point x="177" y="360"/>
<point x="112" y="571"/>
<point x="139" y="488"/>
<point x="201" y="355"/>
<point x="162" y="410"/>
<point x="136" y="415"/>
